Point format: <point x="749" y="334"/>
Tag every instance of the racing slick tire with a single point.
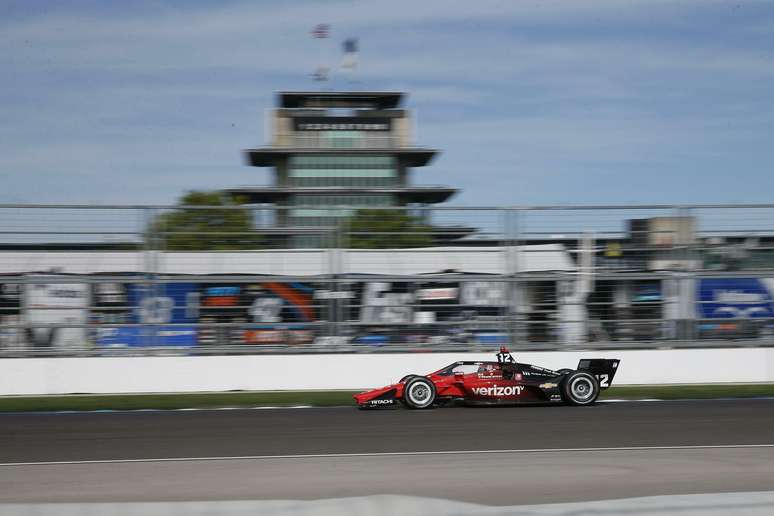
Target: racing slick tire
<point x="403" y="381"/>
<point x="565" y="371"/>
<point x="580" y="388"/>
<point x="419" y="393"/>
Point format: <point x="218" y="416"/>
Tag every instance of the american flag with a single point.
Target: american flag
<point x="321" y="30"/>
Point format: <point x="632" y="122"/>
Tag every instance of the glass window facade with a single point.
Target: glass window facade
<point x="319" y="210"/>
<point x="349" y="161"/>
<point x="343" y="171"/>
<point x="359" y="200"/>
<point x="344" y="139"/>
<point x="311" y="216"/>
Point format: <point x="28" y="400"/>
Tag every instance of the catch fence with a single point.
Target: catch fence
<point x="104" y="280"/>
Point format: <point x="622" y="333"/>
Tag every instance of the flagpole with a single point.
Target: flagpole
<point x="321" y="32"/>
<point x="350" y="47"/>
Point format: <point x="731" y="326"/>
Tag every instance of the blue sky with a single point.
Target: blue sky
<point x="531" y="102"/>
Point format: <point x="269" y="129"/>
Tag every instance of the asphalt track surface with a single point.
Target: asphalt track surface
<point x="494" y="456"/>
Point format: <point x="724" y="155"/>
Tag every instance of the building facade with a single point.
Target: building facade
<point x="331" y="153"/>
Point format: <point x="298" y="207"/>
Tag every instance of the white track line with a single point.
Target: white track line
<point x="389" y="454"/>
<point x="296" y="407"/>
<point x="189" y="409"/>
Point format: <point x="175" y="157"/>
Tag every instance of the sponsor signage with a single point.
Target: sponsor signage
<point x="343" y="123"/>
<point x="647" y="293"/>
<point x="245" y="306"/>
<point x="161" y="306"/>
<point x="10" y="297"/>
<point x="10" y="314"/>
<point x="382" y="402"/>
<point x="222" y="296"/>
<point x="436" y="294"/>
<point x="331" y="294"/>
<point x="721" y="298"/>
<point x="56" y="304"/>
<point x="278" y="336"/>
<point x="394" y="303"/>
<point x="499" y="390"/>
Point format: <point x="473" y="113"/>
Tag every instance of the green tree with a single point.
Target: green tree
<point x="190" y="229"/>
<point x="384" y="229"/>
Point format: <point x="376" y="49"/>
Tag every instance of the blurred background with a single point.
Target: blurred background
<point x="306" y="275"/>
<point x="435" y="175"/>
<point x="203" y="188"/>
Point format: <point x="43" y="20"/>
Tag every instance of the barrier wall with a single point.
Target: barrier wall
<point x="358" y="371"/>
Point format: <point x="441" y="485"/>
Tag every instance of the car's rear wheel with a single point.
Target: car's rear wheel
<point x="580" y="388"/>
<point x="419" y="393"/>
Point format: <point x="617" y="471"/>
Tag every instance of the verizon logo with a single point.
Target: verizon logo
<point x="498" y="390"/>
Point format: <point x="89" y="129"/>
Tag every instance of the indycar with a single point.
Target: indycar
<point x="503" y="382"/>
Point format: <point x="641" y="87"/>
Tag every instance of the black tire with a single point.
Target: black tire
<point x="564" y="371"/>
<point x="419" y="393"/>
<point x="404" y="380"/>
<point x="580" y="388"/>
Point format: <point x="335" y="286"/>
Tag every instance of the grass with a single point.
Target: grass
<point x="327" y="398"/>
<point x="674" y="392"/>
<point x="174" y="401"/>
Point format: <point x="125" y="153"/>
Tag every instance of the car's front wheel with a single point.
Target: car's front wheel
<point x="580" y="388"/>
<point x="419" y="393"/>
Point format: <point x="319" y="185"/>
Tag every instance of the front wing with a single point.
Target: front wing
<point x="382" y="397"/>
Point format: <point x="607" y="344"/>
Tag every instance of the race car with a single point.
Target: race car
<point x="502" y="382"/>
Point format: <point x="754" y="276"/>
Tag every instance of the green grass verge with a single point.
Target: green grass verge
<point x="174" y="401"/>
<point x="674" y="392"/>
<point x="326" y="398"/>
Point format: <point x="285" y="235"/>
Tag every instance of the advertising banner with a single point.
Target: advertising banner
<point x="10" y="314"/>
<point x="156" y="306"/>
<point x="722" y="298"/>
<point x="55" y="303"/>
<point x="267" y="313"/>
<point x="746" y="301"/>
<point x="475" y="305"/>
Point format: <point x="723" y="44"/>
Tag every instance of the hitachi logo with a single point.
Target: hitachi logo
<point x="498" y="390"/>
<point x="381" y="402"/>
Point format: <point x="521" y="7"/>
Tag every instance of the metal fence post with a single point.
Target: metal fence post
<point x="334" y="239"/>
<point x="147" y="330"/>
<point x="691" y="256"/>
<point x="512" y="272"/>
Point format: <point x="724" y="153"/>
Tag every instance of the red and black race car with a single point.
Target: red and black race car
<point x="503" y="382"/>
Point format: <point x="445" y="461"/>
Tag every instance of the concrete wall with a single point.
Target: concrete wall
<point x="299" y="372"/>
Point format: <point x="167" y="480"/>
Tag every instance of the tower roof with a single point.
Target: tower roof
<point x="340" y="99"/>
<point x="268" y="156"/>
<point x="408" y="194"/>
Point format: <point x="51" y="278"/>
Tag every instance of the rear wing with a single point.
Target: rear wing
<point x="603" y="368"/>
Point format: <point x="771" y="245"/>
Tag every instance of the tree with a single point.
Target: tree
<point x="192" y="229"/>
<point x="384" y="229"/>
